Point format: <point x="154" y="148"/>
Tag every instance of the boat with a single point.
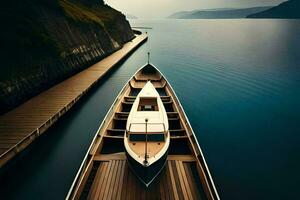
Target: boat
<point x="109" y="172"/>
<point x="147" y="138"/>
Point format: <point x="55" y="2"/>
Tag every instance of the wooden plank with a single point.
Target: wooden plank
<point x="168" y="184"/>
<point x="117" y="180"/>
<point x="125" y="182"/>
<point x="97" y="180"/>
<point x="177" y="181"/>
<point x="113" y="137"/>
<point x="21" y="130"/>
<point x="13" y="137"/>
<point x="174" y="188"/>
<point x="185" y="181"/>
<point x="8" y="142"/>
<point x="108" y="181"/>
<point x="183" y="189"/>
<point x="191" y="179"/>
<point x="5" y="146"/>
<point x="107" y="157"/>
<point x="186" y="158"/>
<point x="119" y="184"/>
<point x="113" y="179"/>
<point x="101" y="186"/>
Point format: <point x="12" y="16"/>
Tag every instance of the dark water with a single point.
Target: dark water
<point x="239" y="82"/>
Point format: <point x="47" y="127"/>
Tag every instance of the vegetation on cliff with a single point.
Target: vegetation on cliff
<point x="45" y="41"/>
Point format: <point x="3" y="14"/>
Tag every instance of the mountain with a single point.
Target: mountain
<point x="180" y="15"/>
<point x="221" y="13"/>
<point x="288" y="10"/>
<point x="46" y="41"/>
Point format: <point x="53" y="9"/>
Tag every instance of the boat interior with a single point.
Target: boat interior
<point x="148" y="104"/>
<point x="155" y="142"/>
<point x="105" y="173"/>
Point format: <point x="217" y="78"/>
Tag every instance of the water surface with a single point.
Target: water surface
<point x="238" y="81"/>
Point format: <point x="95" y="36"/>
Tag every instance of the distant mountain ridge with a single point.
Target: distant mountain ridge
<point x="287" y="10"/>
<point x="219" y="13"/>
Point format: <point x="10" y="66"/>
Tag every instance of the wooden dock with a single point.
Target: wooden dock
<point x="21" y="126"/>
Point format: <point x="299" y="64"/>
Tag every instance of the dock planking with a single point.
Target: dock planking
<point x="21" y="126"/>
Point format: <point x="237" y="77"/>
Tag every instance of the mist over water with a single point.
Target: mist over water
<point x="238" y="81"/>
<point x="153" y="9"/>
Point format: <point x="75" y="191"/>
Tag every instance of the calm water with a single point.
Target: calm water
<point x="238" y="81"/>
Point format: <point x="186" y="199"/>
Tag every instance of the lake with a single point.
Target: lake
<point x="239" y="83"/>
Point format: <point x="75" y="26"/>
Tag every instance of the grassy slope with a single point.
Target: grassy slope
<point x="102" y="15"/>
<point x="26" y="40"/>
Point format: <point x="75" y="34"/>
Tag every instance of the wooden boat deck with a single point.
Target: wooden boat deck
<point x="110" y="178"/>
<point x="105" y="174"/>
<point x="21" y="126"/>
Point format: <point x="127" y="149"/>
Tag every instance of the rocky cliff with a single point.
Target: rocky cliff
<point x="46" y="41"/>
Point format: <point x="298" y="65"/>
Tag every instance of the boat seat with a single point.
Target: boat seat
<point x="129" y="98"/>
<point x="162" y="91"/>
<point x="179" y="146"/>
<point x="126" y="106"/>
<point x="165" y="98"/>
<point x="115" y="132"/>
<point x="178" y="132"/>
<point x="174" y="124"/>
<point x="169" y="106"/>
<point x="179" y="137"/>
<point x="173" y="114"/>
<point x="122" y="115"/>
<point x="152" y="78"/>
<point x="134" y="91"/>
<point x="119" y="123"/>
<point x="112" y="145"/>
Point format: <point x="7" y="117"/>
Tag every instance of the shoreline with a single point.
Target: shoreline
<point x="22" y="125"/>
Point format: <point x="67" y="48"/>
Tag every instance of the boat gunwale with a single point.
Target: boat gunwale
<point x="79" y="175"/>
<point x="80" y="170"/>
<point x="189" y="124"/>
<point x="197" y="143"/>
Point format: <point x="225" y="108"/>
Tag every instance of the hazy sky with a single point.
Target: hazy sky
<point x="163" y="8"/>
